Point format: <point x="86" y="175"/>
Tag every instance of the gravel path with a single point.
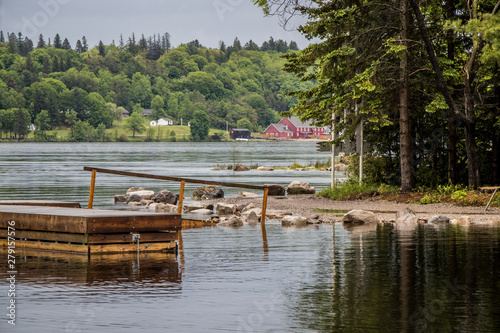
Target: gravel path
<point x="307" y="205"/>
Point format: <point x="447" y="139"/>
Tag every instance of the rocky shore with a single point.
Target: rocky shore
<point x="333" y="211"/>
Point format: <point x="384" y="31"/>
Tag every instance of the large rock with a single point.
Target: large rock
<point x="263" y="168"/>
<point x="406" y="219"/>
<point x="293" y="221"/>
<point x="233" y="222"/>
<point x="255" y="210"/>
<point x="165" y="196"/>
<point x="241" y="167"/>
<point x="358" y="217"/>
<point x="208" y="192"/>
<point x="166" y="208"/>
<point x="225" y="209"/>
<point x="275" y="189"/>
<point x="145" y="194"/>
<point x="297" y="187"/>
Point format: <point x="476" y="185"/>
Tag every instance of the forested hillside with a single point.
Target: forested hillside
<point x="52" y="83"/>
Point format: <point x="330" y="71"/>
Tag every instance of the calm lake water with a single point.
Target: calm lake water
<point x="312" y="279"/>
<point x="55" y="170"/>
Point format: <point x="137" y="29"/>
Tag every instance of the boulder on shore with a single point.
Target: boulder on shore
<point x="263" y="168"/>
<point x="208" y="192"/>
<point x="144" y="194"/>
<point x="438" y="219"/>
<point x="297" y="187"/>
<point x="196" y="205"/>
<point x="358" y="217"/>
<point x="406" y="219"/>
<point x="275" y="189"/>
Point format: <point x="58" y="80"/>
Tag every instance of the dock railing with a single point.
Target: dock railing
<point x="182" y="181"/>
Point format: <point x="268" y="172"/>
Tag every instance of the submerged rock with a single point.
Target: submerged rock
<point x="166" y="208"/>
<point x="244" y="194"/>
<point x="233" y="222"/>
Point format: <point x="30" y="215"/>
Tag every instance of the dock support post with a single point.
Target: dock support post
<point x="92" y="188"/>
<point x="181" y="197"/>
<point x="263" y="218"/>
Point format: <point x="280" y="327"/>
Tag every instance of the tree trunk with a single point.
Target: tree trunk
<point x="452" y="132"/>
<point x="405" y="140"/>
<point x="468" y="118"/>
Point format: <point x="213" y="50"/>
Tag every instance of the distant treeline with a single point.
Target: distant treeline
<point x="241" y="85"/>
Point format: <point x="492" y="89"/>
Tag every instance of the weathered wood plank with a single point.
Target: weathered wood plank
<point x="49" y="246"/>
<point x="47" y="236"/>
<point x="43" y="222"/>
<point x="47" y="203"/>
<point x="116" y="224"/>
<point x="127" y="238"/>
<point x="143" y="247"/>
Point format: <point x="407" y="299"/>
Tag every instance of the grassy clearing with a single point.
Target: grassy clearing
<point x="451" y="194"/>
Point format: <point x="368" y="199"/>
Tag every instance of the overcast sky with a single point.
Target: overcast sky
<point x="209" y="21"/>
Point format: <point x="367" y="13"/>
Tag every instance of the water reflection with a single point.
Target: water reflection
<point x="431" y="279"/>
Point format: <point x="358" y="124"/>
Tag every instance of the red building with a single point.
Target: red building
<point x="293" y="128"/>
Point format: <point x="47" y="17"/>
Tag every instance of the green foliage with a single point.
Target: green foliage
<point x="135" y="124"/>
<point x="200" y="126"/>
<point x="351" y="188"/>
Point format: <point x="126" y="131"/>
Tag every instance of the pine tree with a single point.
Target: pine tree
<point x="2" y="38"/>
<point x="57" y="42"/>
<point x="12" y="47"/>
<point x="102" y="51"/>
<point x="121" y="45"/>
<point x="46" y="66"/>
<point x="66" y="45"/>
<point x="143" y="44"/>
<point x="27" y="46"/>
<point x="41" y="42"/>
<point x="85" y="45"/>
<point x="79" y="47"/>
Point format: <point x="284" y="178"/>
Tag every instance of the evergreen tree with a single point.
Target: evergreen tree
<point x="85" y="45"/>
<point x="41" y="42"/>
<point x="57" y="42"/>
<point x="46" y="66"/>
<point x="2" y="38"/>
<point x="12" y="46"/>
<point x="102" y="50"/>
<point x="251" y="46"/>
<point x="121" y="45"/>
<point x="143" y="44"/>
<point x="27" y="46"/>
<point x="79" y="47"/>
<point x="165" y="42"/>
<point x="66" y="45"/>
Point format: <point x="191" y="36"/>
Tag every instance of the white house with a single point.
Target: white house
<point x="162" y="122"/>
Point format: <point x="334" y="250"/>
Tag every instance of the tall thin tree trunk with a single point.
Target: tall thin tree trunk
<point x="452" y="132"/>
<point x="405" y="140"/>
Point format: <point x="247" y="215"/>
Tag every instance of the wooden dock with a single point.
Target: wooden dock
<point x="89" y="231"/>
<point x="48" y="203"/>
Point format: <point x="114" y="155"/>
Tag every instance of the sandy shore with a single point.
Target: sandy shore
<point x="307" y="205"/>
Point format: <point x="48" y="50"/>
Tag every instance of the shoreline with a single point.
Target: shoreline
<point x="308" y="205"/>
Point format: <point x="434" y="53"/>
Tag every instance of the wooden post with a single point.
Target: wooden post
<point x="263" y="218"/>
<point x="92" y="188"/>
<point x="181" y="197"/>
<point x="333" y="149"/>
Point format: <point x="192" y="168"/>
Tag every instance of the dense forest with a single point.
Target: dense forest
<point x="421" y="78"/>
<point x="54" y="84"/>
